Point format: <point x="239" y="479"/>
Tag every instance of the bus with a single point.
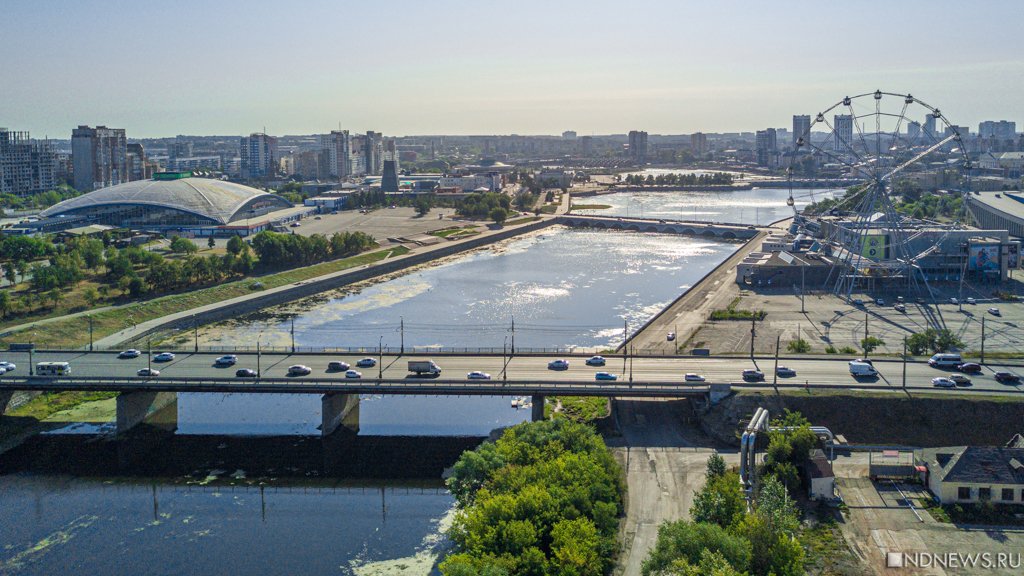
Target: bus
<point x="53" y="369"/>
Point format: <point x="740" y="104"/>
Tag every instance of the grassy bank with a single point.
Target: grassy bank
<point x="585" y="409"/>
<point x="30" y="415"/>
<point x="456" y="232"/>
<point x="590" y="207"/>
<point x="74" y="332"/>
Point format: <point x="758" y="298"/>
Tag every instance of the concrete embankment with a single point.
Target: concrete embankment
<point x="284" y="294"/>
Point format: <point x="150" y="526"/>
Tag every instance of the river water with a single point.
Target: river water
<point x="382" y="510"/>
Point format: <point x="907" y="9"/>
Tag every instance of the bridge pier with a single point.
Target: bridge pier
<point x="537" y="413"/>
<point x="5" y="399"/>
<point x="155" y="409"/>
<point x="339" y="411"/>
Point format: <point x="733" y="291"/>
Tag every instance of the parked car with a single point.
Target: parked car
<point x="900" y="300"/>
<point x="879" y="302"/>
<point x="752" y="375"/>
<point x="671" y="336"/>
<point x="295" y="224"/>
<point x="858" y="302"/>
<point x="1006" y="377"/>
<point x="942" y="382"/>
<point x="129" y="353"/>
<point x="691" y="377"/>
<point x="972" y="301"/>
<point x="148" y="372"/>
<point x="337" y="366"/>
<point x="995" y="312"/>
<point x="899" y="308"/>
<point x="3" y="371"/>
<point x="969" y="368"/>
<point x="477" y="375"/>
<point x="226" y="360"/>
<point x="164" y="357"/>
<point x="366" y="362"/>
<point x="605" y="376"/>
<point x="596" y="361"/>
<point x="954" y="301"/>
<point x="960" y="379"/>
<point x="785" y="372"/>
<point x="245" y="373"/>
<point x="299" y="370"/>
<point x="353" y="374"/>
<point x="559" y="364"/>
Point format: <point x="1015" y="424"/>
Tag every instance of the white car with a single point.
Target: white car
<point x="595" y="361"/>
<point x="299" y="370"/>
<point x="476" y="375"/>
<point x="559" y="364"/>
<point x="226" y="360"/>
<point x="353" y="374"/>
<point x="954" y="301"/>
<point x="994" y="311"/>
<point x="690" y="377"/>
<point x="129" y="353"/>
<point x="3" y="370"/>
<point x="164" y="357"/>
<point x="972" y="301"/>
<point x="148" y="372"/>
<point x="900" y="308"/>
<point x="366" y="362"/>
<point x="942" y="382"/>
<point x="8" y="366"/>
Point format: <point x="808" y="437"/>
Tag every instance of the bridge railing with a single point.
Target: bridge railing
<point x="386" y="350"/>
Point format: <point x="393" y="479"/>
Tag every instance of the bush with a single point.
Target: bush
<point x="830" y="349"/>
<point x="933" y="340"/>
<point x="799" y="346"/>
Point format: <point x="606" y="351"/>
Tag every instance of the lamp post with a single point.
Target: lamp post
<point x="90" y="331"/>
<point x="504" y="361"/>
<point x="380" y="358"/>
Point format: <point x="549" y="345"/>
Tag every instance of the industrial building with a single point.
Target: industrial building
<point x="998" y="210"/>
<point x="971" y="474"/>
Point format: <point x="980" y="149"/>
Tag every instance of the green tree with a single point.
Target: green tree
<point x="498" y="215"/>
<point x="799" y="346"/>
<point x="715" y="467"/>
<point x="55" y="296"/>
<point x="720" y="501"/>
<point x="181" y="245"/>
<point x="5" y="303"/>
<point x="870" y="343"/>
<point x="235" y="245"/>
<point x="574" y="549"/>
<point x="688" y="541"/>
<point x="211" y="242"/>
<point x="91" y="296"/>
<point x="422" y="205"/>
<point x="11" y="272"/>
<point x="22" y="267"/>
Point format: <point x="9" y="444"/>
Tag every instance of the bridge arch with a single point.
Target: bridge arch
<point x="651" y="229"/>
<point x="689" y="231"/>
<point x="709" y="233"/>
<point x="728" y="234"/>
<point x="633" y="227"/>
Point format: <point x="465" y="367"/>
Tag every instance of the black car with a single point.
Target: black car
<point x="245" y="373"/>
<point x="969" y="368"/>
<point x="1007" y="377"/>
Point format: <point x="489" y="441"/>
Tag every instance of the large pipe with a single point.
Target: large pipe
<point x="819" y="431"/>
<point x="743" y="458"/>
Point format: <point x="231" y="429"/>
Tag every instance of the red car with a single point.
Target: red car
<point x="969" y="368"/>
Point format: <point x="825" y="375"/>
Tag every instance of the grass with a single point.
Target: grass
<point x="731" y="313"/>
<point x="549" y="209"/>
<point x="591" y="206"/>
<point x="985" y="513"/>
<point x="27" y="416"/>
<point x="74" y="332"/>
<point x="582" y="408"/>
<point x="522" y="220"/>
<point x="827" y="552"/>
<point x="456" y="232"/>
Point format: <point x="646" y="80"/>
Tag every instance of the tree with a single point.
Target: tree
<point x="55" y="295"/>
<point x="498" y="215"/>
<point x="422" y="205"/>
<point x="235" y="245"/>
<point x="574" y="549"/>
<point x="10" y="272"/>
<point x="5" y="303"/>
<point x="720" y="501"/>
<point x="22" y="267"/>
<point x="799" y="346"/>
<point x="688" y="540"/>
<point x="870" y="343"/>
<point x="91" y="296"/>
<point x="715" y="467"/>
<point x="181" y="245"/>
<point x="933" y="340"/>
<point x="211" y="242"/>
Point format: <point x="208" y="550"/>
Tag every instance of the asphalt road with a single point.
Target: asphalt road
<point x="533" y="368"/>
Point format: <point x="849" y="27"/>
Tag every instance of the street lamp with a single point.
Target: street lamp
<point x="504" y="362"/>
<point x="380" y="358"/>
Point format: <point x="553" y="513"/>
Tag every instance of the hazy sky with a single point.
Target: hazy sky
<point x="484" y="67"/>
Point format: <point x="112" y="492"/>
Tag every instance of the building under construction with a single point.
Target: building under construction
<point x="26" y="166"/>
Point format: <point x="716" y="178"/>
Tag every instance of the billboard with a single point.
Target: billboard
<point x="983" y="257"/>
<point x="876" y="246"/>
<point x="1013" y="255"/>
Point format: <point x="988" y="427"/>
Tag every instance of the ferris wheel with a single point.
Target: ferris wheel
<point x="881" y="147"/>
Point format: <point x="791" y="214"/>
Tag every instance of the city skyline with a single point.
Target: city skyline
<point x="239" y="68"/>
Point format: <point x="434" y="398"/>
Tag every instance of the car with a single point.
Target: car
<point x="299" y="370"/>
<point x="245" y="373"/>
<point x="691" y="377"/>
<point x="317" y="218"/>
<point x="129" y="353"/>
<point x="954" y="301"/>
<point x="559" y="364"/>
<point x="969" y="368"/>
<point x="785" y="372"/>
<point x="148" y="372"/>
<point x="1006" y="377"/>
<point x="366" y="362"/>
<point x="164" y="357"/>
<point x="477" y="375"/>
<point x="8" y="366"/>
<point x="879" y="302"/>
<point x="863" y="361"/>
<point x="995" y="312"/>
<point x="353" y="374"/>
<point x="670" y="336"/>
<point x="226" y="360"/>
<point x="900" y="300"/>
<point x="972" y="301"/>
<point x="899" y="308"/>
<point x="605" y="376"/>
<point x="337" y="366"/>
<point x="858" y="302"/>
<point x="960" y="379"/>
<point x="941" y="382"/>
<point x="3" y="370"/>
<point x="295" y="224"/>
<point x="752" y="375"/>
<point x="595" y="361"/>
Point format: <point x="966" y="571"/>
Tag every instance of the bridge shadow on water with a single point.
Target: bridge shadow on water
<point x="156" y="453"/>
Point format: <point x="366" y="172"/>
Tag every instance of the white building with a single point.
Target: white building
<point x="258" y="153"/>
<point x="843" y="128"/>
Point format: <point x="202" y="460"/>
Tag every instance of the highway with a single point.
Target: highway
<point x="526" y="370"/>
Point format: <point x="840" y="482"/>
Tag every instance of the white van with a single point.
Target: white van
<point x="945" y="360"/>
<point x="862" y="369"/>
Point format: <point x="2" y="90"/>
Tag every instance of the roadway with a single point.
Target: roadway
<point x="816" y="372"/>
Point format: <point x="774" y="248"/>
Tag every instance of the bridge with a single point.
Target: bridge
<point x="717" y="230"/>
<point x="153" y="400"/>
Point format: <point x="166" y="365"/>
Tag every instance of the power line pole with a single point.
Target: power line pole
<point x="775" y="374"/>
<point x="904" y="362"/>
<point x="293" y="335"/>
<point x="802" y="272"/>
<point x="982" y="339"/>
<point x="195" y="332"/>
<point x="513" y="335"/>
<point x="90" y="331"/>
<point x="865" y="334"/>
<point x="401" y="329"/>
<point x="625" y="346"/>
<point x="753" y="333"/>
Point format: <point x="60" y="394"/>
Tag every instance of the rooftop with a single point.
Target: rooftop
<point x="979" y="464"/>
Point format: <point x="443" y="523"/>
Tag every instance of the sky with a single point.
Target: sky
<point x="484" y="67"/>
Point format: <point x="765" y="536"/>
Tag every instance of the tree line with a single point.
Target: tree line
<point x="276" y="250"/>
<point x="39" y="199"/>
<point x="702" y="179"/>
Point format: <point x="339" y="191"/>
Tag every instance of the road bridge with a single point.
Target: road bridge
<point x="717" y="230"/>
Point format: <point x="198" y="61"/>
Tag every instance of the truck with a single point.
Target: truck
<point x="859" y="369"/>
<point x="424" y="367"/>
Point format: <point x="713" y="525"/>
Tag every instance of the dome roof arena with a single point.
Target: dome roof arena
<point x="170" y="201"/>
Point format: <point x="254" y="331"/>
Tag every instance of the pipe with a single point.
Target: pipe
<point x="819" y="431"/>
<point x="743" y="458"/>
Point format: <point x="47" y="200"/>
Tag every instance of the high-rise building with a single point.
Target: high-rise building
<point x="638" y="146"/>
<point x="586" y="146"/>
<point x="99" y="156"/>
<point x="929" y="126"/>
<point x="26" y="167"/>
<point x="766" y="146"/>
<point x="801" y="128"/>
<point x="389" y="180"/>
<point x="913" y="130"/>
<point x="569" y="135"/>
<point x="699" y="144"/>
<point x="374" y="152"/>
<point x="997" y="129"/>
<point x="336" y="148"/>
<point x="843" y="128"/>
<point x="258" y="156"/>
<point x="138" y="168"/>
<point x="179" y="148"/>
<point x="309" y="165"/>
